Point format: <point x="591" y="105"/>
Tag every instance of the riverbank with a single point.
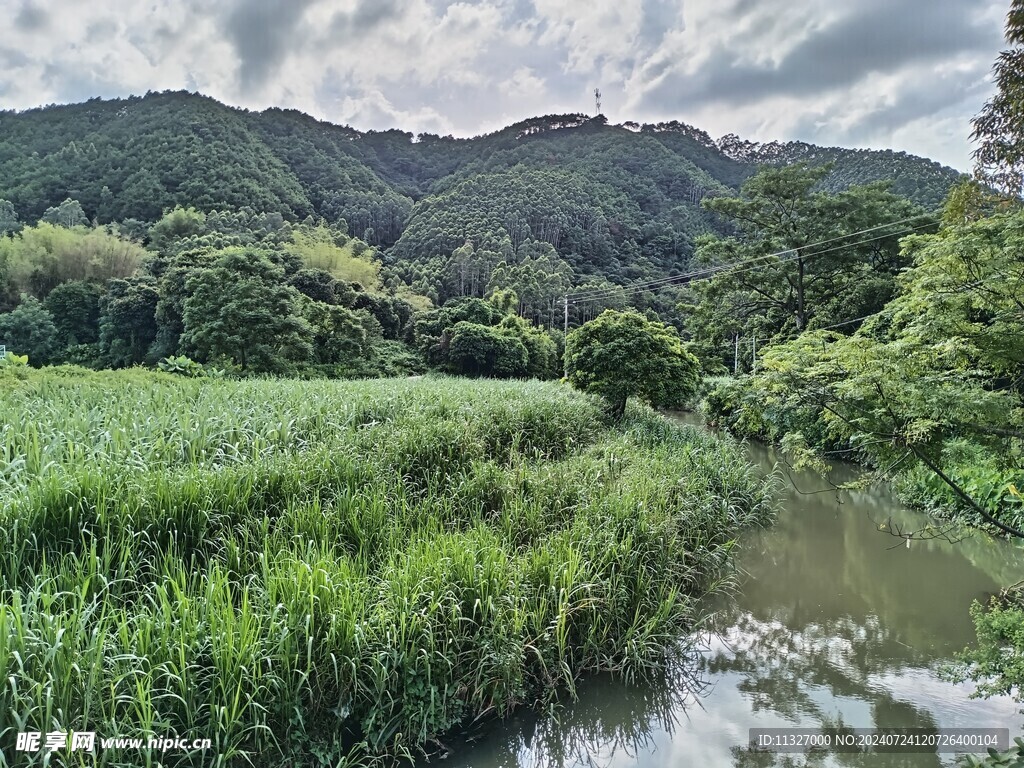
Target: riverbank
<point x="829" y="622"/>
<point x="309" y="570"/>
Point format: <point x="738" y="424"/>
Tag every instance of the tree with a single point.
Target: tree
<point x="800" y="261"/>
<point x="480" y="350"/>
<point x="999" y="129"/>
<point x="40" y="258"/>
<point x="68" y="214"/>
<point x="128" y="320"/>
<point x="175" y="226"/>
<point x="8" y="218"/>
<point x="339" y="334"/>
<point x="539" y="280"/>
<point x="320" y="285"/>
<point x="933" y="385"/>
<point x="241" y="309"/>
<point x="433" y="329"/>
<point x="29" y="330"/>
<point x="75" y="307"/>
<point x="623" y="354"/>
<point x="318" y="248"/>
<point x="541" y="349"/>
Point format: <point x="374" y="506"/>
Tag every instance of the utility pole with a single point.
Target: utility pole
<point x="753" y="354"/>
<point x="736" y="355"/>
<point x="565" y="332"/>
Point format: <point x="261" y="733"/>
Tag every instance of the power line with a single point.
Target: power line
<point x="967" y="287"/>
<point x="846" y="322"/>
<point x="733" y="268"/>
<point x="636" y="286"/>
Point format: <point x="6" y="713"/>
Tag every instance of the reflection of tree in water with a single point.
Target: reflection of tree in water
<point x="781" y="668"/>
<point x="598" y="729"/>
<point x="781" y="664"/>
<point x="746" y="757"/>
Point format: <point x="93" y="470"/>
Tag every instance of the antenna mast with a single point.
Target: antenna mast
<point x="597" y="98"/>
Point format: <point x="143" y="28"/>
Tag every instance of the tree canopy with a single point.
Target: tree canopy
<point x="619" y="355"/>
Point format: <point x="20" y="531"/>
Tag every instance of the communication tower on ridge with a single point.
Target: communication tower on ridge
<point x="597" y="98"/>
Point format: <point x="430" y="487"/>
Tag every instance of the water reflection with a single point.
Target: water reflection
<point x="612" y="724"/>
<point x="831" y="624"/>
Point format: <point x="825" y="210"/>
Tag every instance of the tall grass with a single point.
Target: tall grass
<point x="321" y="572"/>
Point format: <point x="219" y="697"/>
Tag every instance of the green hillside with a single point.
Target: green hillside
<point x="621" y="202"/>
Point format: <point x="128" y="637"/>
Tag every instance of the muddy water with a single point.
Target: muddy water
<point x="834" y="621"/>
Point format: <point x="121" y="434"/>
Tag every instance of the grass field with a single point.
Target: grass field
<point x="303" y="571"/>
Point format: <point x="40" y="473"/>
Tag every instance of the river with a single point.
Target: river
<point x="833" y="620"/>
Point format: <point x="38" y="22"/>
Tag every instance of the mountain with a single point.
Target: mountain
<point x="622" y="201"/>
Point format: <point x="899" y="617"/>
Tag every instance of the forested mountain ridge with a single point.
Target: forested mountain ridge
<point x="924" y="185"/>
<point x="621" y="202"/>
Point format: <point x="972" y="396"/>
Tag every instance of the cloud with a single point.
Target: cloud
<point x="906" y="75"/>
<point x="263" y="33"/>
<point x="29" y="17"/>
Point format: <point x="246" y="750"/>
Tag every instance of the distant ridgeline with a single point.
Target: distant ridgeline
<point x="615" y="202"/>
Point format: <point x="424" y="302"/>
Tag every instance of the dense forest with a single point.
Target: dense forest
<point x="621" y="202"/>
<point x="116" y="211"/>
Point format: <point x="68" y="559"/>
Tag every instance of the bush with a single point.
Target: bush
<point x="478" y="350"/>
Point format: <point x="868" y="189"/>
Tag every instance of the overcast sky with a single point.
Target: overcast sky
<point x="900" y="74"/>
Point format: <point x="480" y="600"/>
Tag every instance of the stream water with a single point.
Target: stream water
<point x="833" y="620"/>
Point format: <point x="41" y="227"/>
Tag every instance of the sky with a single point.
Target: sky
<point x="887" y="74"/>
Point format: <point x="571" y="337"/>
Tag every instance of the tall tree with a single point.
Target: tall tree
<point x="936" y="377"/>
<point x="75" y="307"/>
<point x="8" y="218"/>
<point x="128" y="320"/>
<point x="999" y="129"/>
<point x="241" y="309"/>
<point x="68" y="214"/>
<point x="803" y="257"/>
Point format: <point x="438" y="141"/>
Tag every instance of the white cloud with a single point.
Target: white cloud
<point x="908" y="75"/>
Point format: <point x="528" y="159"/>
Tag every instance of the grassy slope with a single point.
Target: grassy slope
<point x="325" y="568"/>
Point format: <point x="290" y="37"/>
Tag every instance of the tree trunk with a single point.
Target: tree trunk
<point x="618" y="407"/>
<point x="801" y="312"/>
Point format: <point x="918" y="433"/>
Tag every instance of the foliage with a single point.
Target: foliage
<point x="75" y="308"/>
<point x="1012" y="758"/>
<point x="996" y="662"/>
<point x="999" y="128"/>
<point x="176" y="225"/>
<point x="68" y="214"/>
<point x="623" y="354"/>
<point x="480" y="350"/>
<point x="346" y="568"/>
<point x="324" y="249"/>
<point x="433" y="329"/>
<point x="185" y="366"/>
<point x="539" y="279"/>
<point x="128" y="321"/>
<point x="9" y="361"/>
<point x="29" y="330"/>
<point x="339" y="334"/>
<point x="541" y="350"/>
<point x="929" y="387"/>
<point x="8" y="218"/>
<point x="914" y="178"/>
<point x="239" y="309"/>
<point x="799" y="262"/>
<point x="40" y="258"/>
